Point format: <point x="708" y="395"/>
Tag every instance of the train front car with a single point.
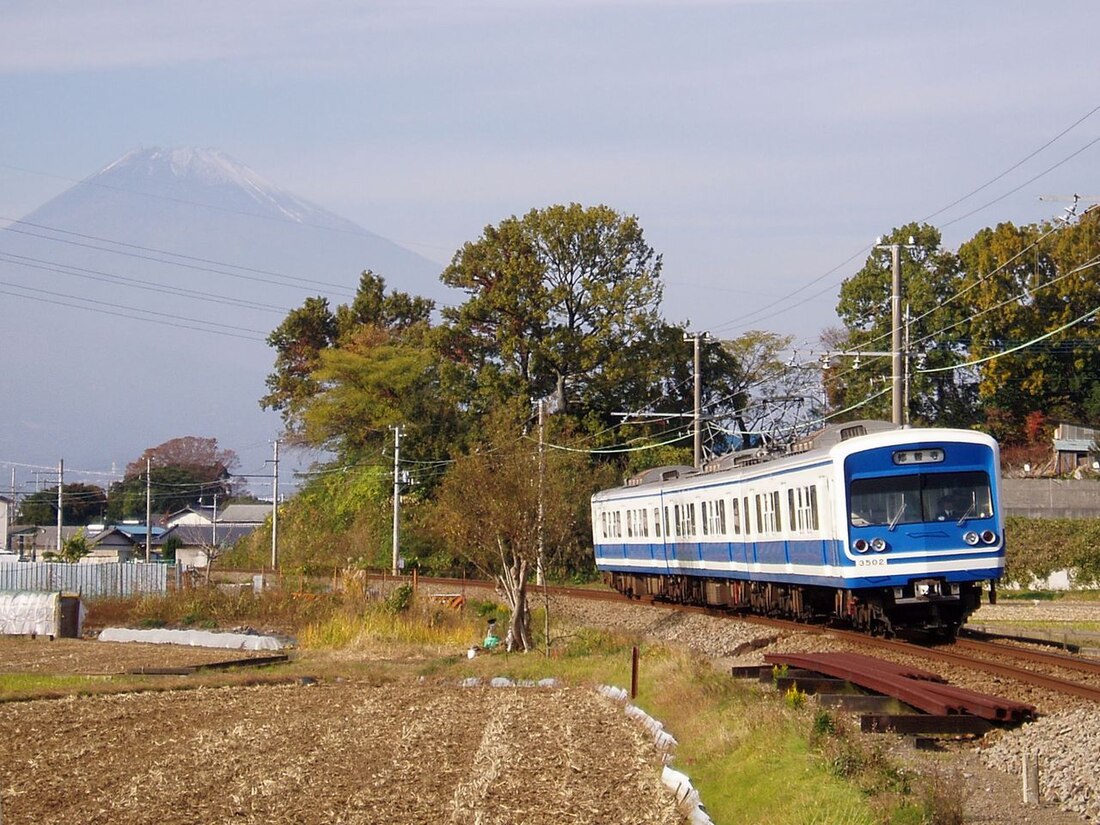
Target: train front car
<point x="924" y="527"/>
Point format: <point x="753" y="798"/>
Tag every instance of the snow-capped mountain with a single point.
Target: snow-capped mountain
<point x="137" y="302"/>
<point x="221" y="182"/>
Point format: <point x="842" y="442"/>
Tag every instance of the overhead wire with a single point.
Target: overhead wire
<point x="274" y="279"/>
<point x="110" y="278"/>
<point x="756" y="315"/>
<point x="163" y="318"/>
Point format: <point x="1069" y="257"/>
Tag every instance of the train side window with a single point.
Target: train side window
<point x="748" y="521"/>
<point x="618" y="520"/>
<point x="761" y="523"/>
<point x="668" y="532"/>
<point x="735" y="515"/>
<point x="792" y="512"/>
<point x="630" y="524"/>
<point x="691" y="531"/>
<point x="704" y="517"/>
<point x="813" y="507"/>
<point x="657" y="521"/>
<point x="677" y="520"/>
<point x="645" y="521"/>
<point x="720" y="523"/>
<point x="603" y="524"/>
<point x="777" y="511"/>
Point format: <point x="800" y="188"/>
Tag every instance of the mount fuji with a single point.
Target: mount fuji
<point x="136" y="305"/>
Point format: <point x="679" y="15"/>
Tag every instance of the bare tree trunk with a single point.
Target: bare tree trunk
<point x="513" y="582"/>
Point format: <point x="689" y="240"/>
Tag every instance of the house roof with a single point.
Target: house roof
<point x="198" y="510"/>
<point x="111" y="537"/>
<point x="201" y="535"/>
<point x="244" y="514"/>
<point x="44" y="536"/>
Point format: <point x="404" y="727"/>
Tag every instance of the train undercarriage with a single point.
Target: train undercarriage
<point x="930" y="606"/>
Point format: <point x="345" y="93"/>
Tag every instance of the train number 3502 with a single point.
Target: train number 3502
<point x="872" y="562"/>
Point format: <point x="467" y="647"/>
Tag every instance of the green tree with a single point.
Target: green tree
<point x="183" y="471"/>
<point x="1027" y="282"/>
<point x="343" y="379"/>
<point x="374" y="307"/>
<point x="298" y="342"/>
<point x="73" y="549"/>
<point x="938" y="331"/>
<point x="376" y="381"/>
<point x="558" y="301"/>
<point x="81" y="503"/>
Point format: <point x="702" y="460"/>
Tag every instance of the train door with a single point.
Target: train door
<point x="661" y="527"/>
<point x="823" y="519"/>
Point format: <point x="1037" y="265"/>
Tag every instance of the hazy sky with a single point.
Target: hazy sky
<point x="761" y="144"/>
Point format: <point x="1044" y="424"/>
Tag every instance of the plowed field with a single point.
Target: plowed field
<point x="334" y="752"/>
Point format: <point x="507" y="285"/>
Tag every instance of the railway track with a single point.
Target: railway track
<point x="1001" y="660"/>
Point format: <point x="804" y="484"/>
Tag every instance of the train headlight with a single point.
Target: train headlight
<point x="861" y="545"/>
<point x="988" y="536"/>
<point x="970" y="537"/>
<point x="878" y="545"/>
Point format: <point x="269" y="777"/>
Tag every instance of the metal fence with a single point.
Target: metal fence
<point x="89" y="580"/>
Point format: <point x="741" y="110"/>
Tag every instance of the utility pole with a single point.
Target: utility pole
<point x="697" y="417"/>
<point x="905" y="406"/>
<point x="60" y="487"/>
<point x="274" y="510"/>
<point x="898" y="412"/>
<point x="396" y="498"/>
<point x="540" y="570"/>
<point x="148" y="509"/>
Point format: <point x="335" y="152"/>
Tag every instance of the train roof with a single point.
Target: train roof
<point x="817" y="444"/>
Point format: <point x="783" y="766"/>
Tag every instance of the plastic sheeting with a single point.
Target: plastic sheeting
<point x="30" y="614"/>
<point x="194" y="638"/>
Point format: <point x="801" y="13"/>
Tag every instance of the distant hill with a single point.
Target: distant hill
<point x="113" y="294"/>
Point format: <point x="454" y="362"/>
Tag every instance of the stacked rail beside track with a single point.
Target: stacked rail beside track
<point x="920" y="689"/>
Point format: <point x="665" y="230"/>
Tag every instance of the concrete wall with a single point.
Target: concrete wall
<point x="1051" y="497"/>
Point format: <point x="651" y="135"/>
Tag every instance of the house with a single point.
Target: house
<point x="195" y="514"/>
<point x="194" y="542"/>
<point x="111" y="544"/>
<point x="31" y="541"/>
<point x="121" y="542"/>
<point x="1074" y="445"/>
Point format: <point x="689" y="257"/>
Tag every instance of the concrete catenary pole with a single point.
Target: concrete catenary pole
<point x="897" y="377"/>
<point x="148" y="509"/>
<point x="275" y="510"/>
<point x="60" y="486"/>
<point x="540" y="564"/>
<point x="697" y="416"/>
<point x="395" y="567"/>
<point x="898" y="415"/>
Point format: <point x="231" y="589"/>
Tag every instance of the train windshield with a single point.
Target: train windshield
<point x="922" y="497"/>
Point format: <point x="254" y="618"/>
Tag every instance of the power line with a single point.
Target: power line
<point x="274" y="279"/>
<point x="756" y="314"/>
<point x="122" y="280"/>
<point x="141" y="317"/>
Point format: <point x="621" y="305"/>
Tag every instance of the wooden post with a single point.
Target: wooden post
<point x="1031" y="779"/>
<point x="634" y="672"/>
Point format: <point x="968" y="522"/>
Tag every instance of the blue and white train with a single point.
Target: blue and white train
<point x="885" y="528"/>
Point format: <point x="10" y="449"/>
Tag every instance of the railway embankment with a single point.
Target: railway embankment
<point x="1065" y="737"/>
